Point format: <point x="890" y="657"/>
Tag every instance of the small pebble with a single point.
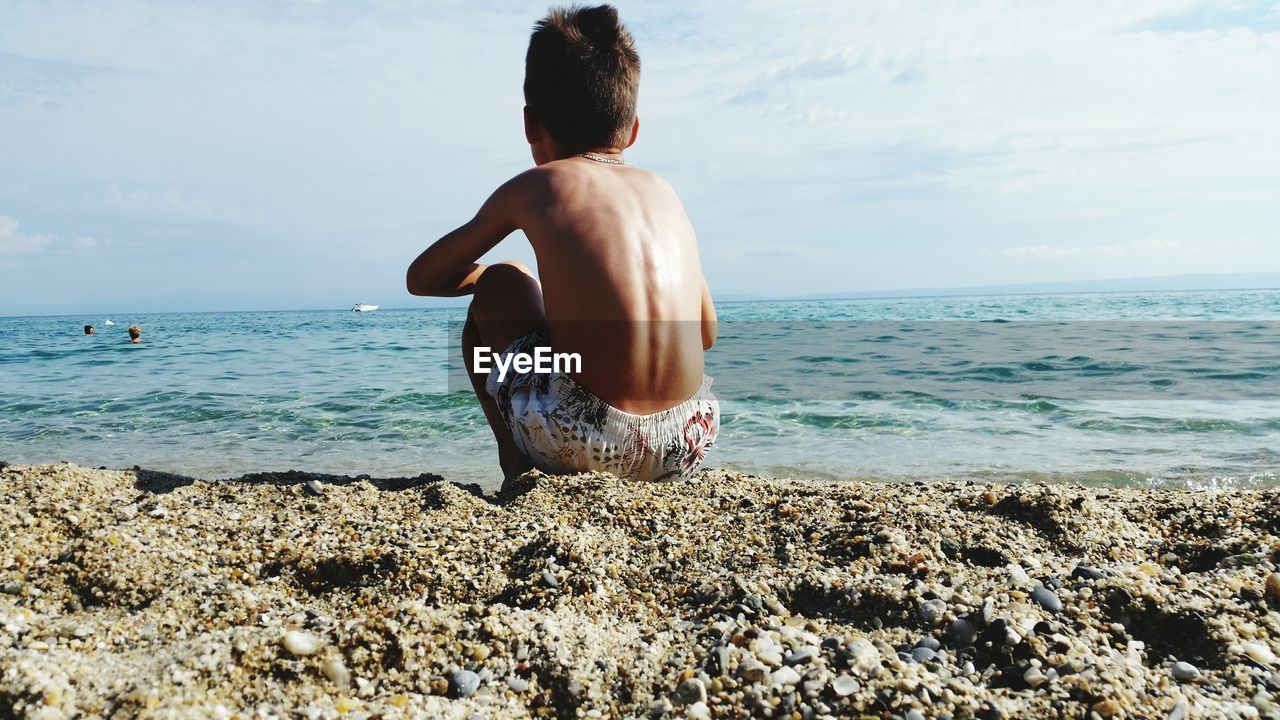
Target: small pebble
<point x="784" y="676"/>
<point x="1018" y="575"/>
<point x="463" y="683"/>
<point x="1107" y="708"/>
<point x="1258" y="653"/>
<point x="722" y="660"/>
<point x="300" y="643"/>
<point x="517" y="684"/>
<point x="923" y="654"/>
<point x="844" y="685"/>
<point x="1046" y="599"/>
<point x="691" y="691"/>
<point x="1084" y="572"/>
<point x="963" y="632"/>
<point x="864" y="657"/>
<point x="313" y="487"/>
<point x="931" y="611"/>
<point x="929" y="642"/>
<point x="1184" y="671"/>
<point x="801" y="656"/>
<point x="698" y="711"/>
<point x="337" y="672"/>
<point x="1272" y="587"/>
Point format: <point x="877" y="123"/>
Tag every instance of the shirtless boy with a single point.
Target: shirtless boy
<point x="621" y="282"/>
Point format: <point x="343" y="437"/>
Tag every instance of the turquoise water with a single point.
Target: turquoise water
<point x="1168" y="388"/>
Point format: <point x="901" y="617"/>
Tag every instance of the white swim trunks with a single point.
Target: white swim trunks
<point x="563" y="427"/>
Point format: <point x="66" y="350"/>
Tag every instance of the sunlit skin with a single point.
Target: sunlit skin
<point x="619" y="278"/>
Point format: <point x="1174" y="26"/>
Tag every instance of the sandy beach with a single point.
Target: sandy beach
<point x="139" y="594"/>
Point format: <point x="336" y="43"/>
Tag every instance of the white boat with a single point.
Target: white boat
<point x="362" y="307"/>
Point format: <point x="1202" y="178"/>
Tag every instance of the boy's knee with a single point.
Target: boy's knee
<point x="508" y="265"/>
<point x="504" y="277"/>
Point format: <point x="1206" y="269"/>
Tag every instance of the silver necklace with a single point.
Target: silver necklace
<point x="602" y="159"/>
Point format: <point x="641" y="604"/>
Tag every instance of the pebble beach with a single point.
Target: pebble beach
<point x="132" y="593"/>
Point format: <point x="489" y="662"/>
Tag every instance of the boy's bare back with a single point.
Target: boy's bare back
<point x="621" y="279"/>
<point x="619" y="282"/>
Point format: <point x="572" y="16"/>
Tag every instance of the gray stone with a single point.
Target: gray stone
<point x="929" y="642"/>
<point x="517" y="684"/>
<point x="923" y="654"/>
<point x="463" y="683"/>
<point x="1084" y="572"/>
<point x="722" y="660"/>
<point x="691" y="691"/>
<point x="801" y="656"/>
<point x="1046" y="599"/>
<point x="1184" y="671"/>
<point x="988" y="610"/>
<point x="963" y="632"/>
<point x="931" y="611"/>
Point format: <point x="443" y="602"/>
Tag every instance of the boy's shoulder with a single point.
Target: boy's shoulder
<point x="571" y="186"/>
<point x="572" y="170"/>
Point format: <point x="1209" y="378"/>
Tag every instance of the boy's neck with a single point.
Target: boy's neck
<point x="561" y="153"/>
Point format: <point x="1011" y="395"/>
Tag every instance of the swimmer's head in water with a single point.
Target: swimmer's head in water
<point x="135" y="332"/>
<point x="88" y="329"/>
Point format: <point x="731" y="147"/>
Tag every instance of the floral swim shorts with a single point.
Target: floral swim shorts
<point x="563" y="427"/>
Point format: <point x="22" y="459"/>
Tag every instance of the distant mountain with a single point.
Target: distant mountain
<point x="1164" y="283"/>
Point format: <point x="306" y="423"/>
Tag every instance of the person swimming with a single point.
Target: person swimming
<point x="88" y="329"/>
<point x="135" y="334"/>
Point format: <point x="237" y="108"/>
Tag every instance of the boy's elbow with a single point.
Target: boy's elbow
<point x="414" y="286"/>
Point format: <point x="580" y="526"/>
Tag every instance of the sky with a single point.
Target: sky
<point x="234" y="155"/>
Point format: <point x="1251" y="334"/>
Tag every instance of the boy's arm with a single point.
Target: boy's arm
<point x="710" y="326"/>
<point x="448" y="268"/>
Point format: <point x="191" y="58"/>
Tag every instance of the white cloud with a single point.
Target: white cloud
<point x="168" y="203"/>
<point x="13" y="242"/>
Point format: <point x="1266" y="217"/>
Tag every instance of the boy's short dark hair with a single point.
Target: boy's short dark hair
<point x="581" y="77"/>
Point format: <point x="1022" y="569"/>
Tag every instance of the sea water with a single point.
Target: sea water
<point x="1176" y="389"/>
